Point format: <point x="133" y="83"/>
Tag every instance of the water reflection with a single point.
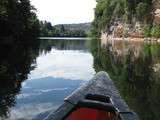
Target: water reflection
<point x="135" y="69"/>
<point x="34" y="79"/>
<point x="68" y="59"/>
<point x="15" y="64"/>
<point x="47" y="45"/>
<point x="73" y="65"/>
<point x="39" y="96"/>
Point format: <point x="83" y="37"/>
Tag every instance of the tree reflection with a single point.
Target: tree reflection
<point x="61" y="44"/>
<point x="15" y="64"/>
<point x="135" y="69"/>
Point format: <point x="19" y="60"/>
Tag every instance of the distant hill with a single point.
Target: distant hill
<point x="64" y="30"/>
<point x="81" y="26"/>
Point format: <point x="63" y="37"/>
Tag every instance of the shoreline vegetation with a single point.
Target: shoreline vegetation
<point x="20" y="24"/>
<point x="134" y="64"/>
<point x="134" y="20"/>
<point x="64" y="30"/>
<point x="18" y="21"/>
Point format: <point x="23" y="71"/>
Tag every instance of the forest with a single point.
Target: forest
<point x="127" y="12"/>
<point x="17" y="19"/>
<point x="64" y="30"/>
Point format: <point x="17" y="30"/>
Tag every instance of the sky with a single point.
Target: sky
<point x="65" y="11"/>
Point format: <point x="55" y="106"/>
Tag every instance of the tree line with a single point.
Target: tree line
<point x="126" y="11"/>
<point x="17" y="19"/>
<point x="63" y="30"/>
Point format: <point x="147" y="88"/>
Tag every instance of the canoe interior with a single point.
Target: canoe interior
<point x="100" y="85"/>
<point x="91" y="114"/>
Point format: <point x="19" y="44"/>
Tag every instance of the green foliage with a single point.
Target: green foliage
<point x="152" y="31"/>
<point x="141" y="10"/>
<point x="107" y="12"/>
<point x="155" y="31"/>
<point x="147" y="30"/>
<point x="18" y="18"/>
<point x="3" y="10"/>
<point x="66" y="30"/>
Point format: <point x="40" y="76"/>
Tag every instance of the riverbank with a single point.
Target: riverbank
<point x="104" y="39"/>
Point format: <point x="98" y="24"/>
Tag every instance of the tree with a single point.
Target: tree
<point x="62" y="29"/>
<point x="141" y="11"/>
<point x="18" y="18"/>
<point x="3" y="9"/>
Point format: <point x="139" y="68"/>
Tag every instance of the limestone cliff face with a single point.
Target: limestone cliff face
<point x="157" y="16"/>
<point x="135" y="29"/>
<point x="125" y="30"/>
<point x="156" y="11"/>
<point x="156" y="4"/>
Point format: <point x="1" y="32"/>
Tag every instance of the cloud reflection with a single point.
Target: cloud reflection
<point x="30" y="111"/>
<point x="75" y="65"/>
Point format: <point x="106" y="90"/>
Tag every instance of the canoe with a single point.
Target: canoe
<point x="98" y="99"/>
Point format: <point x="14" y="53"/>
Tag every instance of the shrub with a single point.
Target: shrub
<point x="155" y="31"/>
<point x="141" y="11"/>
<point x="147" y="30"/>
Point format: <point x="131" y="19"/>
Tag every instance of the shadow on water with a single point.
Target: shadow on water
<point x="135" y="69"/>
<point x="18" y="60"/>
<point x="63" y="45"/>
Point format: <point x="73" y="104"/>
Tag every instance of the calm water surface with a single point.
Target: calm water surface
<point x="135" y="69"/>
<point x="35" y="78"/>
<point x="52" y="71"/>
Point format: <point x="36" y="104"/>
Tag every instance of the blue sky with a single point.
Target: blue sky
<point x="65" y="11"/>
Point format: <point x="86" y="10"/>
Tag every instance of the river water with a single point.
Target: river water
<point x="52" y="71"/>
<point x="34" y="79"/>
<point x="134" y="66"/>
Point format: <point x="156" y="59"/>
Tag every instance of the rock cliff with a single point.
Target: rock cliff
<point x="127" y="18"/>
